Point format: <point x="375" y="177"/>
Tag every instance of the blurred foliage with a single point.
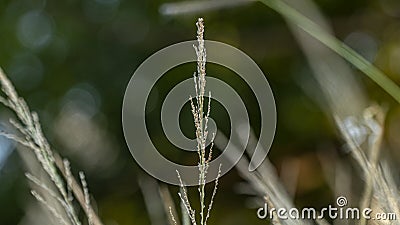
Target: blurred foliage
<point x="72" y="60"/>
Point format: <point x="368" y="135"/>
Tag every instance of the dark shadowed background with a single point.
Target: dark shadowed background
<point x="72" y="60"/>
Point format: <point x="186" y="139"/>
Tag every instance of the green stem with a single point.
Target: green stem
<point x="336" y="45"/>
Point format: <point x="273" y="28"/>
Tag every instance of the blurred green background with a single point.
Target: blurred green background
<point x="71" y="60"/>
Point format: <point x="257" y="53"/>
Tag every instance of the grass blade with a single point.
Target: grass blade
<point x="336" y="45"/>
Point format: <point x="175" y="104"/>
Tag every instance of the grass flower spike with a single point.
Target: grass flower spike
<point x="201" y="114"/>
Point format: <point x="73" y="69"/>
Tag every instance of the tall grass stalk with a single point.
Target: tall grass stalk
<point x="201" y="114"/>
<point x="381" y="191"/>
<point x="380" y="185"/>
<point x="57" y="169"/>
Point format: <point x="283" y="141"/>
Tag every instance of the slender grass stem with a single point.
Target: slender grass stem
<point x="336" y="45"/>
